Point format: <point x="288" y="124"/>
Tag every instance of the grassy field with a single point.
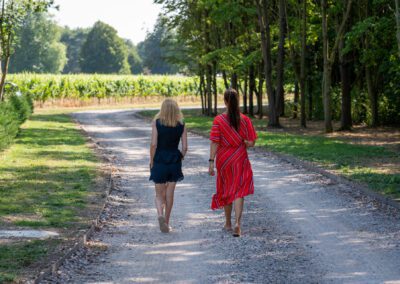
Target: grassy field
<point x="47" y="181"/>
<point x="376" y="166"/>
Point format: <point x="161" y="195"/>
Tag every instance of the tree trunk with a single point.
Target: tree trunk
<point x="3" y="77"/>
<point x="215" y="88"/>
<point x="245" y="88"/>
<point x="264" y="23"/>
<point x="310" y="98"/>
<point x="252" y="86"/>
<point x="303" y="117"/>
<point x="280" y="94"/>
<point x="225" y="80"/>
<point x="397" y="13"/>
<point x="373" y="96"/>
<point x="329" y="58"/>
<point x="296" y="100"/>
<point x="260" y="109"/>
<point x="345" y="120"/>
<point x="209" y="89"/>
<point x="234" y="81"/>
<point x="202" y="93"/>
<point x="326" y="78"/>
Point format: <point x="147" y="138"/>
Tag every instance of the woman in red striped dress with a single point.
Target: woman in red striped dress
<point x="231" y="134"/>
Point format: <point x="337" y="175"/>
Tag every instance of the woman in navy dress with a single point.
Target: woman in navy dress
<point x="168" y="130"/>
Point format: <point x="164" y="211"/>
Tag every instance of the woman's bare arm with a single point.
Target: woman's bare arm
<point x="213" y="153"/>
<point x="153" y="144"/>
<point x="184" y="142"/>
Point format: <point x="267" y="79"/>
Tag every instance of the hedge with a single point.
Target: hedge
<point x="13" y="112"/>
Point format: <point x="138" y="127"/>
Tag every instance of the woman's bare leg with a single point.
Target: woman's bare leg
<point x="228" y="217"/>
<point x="238" y="203"/>
<point x="170" y="200"/>
<point x="160" y="199"/>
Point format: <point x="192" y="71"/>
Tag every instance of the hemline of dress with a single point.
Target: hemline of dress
<point x="230" y="201"/>
<point x="169" y="180"/>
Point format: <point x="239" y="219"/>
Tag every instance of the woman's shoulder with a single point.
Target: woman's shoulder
<point x="245" y="117"/>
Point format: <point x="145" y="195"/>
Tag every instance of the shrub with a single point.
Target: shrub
<point x="13" y="112"/>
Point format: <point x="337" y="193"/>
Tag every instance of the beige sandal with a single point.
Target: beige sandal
<point x="163" y="225"/>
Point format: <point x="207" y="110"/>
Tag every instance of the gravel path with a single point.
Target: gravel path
<point x="299" y="227"/>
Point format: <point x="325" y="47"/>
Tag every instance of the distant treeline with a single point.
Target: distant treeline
<point x="45" y="47"/>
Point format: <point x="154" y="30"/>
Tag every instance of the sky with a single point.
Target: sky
<point x="131" y="18"/>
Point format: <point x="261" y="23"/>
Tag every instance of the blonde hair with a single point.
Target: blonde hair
<point x="169" y="114"/>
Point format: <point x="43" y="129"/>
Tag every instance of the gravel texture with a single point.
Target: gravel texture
<point x="299" y="227"/>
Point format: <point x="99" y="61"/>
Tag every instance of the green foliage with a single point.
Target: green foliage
<point x="156" y="49"/>
<point x="39" y="49"/>
<point x="82" y="87"/>
<point x="13" y="112"/>
<point x="73" y="39"/>
<point x="104" y="51"/>
<point x="134" y="60"/>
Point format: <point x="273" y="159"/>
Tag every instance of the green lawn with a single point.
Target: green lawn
<point x="368" y="164"/>
<point x="46" y="178"/>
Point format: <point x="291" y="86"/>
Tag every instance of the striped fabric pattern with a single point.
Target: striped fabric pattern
<point x="234" y="173"/>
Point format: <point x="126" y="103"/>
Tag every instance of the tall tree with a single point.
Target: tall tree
<point x="39" y="49"/>
<point x="263" y="11"/>
<point x="104" y="51"/>
<point x="12" y="16"/>
<point x="329" y="56"/>
<point x="397" y="15"/>
<point x="155" y="49"/>
<point x="74" y="40"/>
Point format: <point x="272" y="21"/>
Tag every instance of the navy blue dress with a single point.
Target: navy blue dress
<point x="167" y="166"/>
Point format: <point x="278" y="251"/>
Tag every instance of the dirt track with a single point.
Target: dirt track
<point x="298" y="227"/>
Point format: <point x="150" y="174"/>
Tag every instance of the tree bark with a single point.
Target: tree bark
<point x="264" y="23"/>
<point x="202" y="93"/>
<point x="245" y="88"/>
<point x="373" y="96"/>
<point x="296" y="100"/>
<point x="329" y="58"/>
<point x="234" y="81"/>
<point x="280" y="94"/>
<point x="225" y="79"/>
<point x="397" y="14"/>
<point x="260" y="109"/>
<point x="326" y="77"/>
<point x="303" y="117"/>
<point x="209" y="89"/>
<point x="215" y="88"/>
<point x="3" y="77"/>
<point x="310" y="98"/>
<point x="252" y="87"/>
<point x="345" y="74"/>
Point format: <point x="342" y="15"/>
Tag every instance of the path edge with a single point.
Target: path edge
<point x="298" y="163"/>
<point x="82" y="239"/>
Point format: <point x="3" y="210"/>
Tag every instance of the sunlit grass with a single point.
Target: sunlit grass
<point x="46" y="177"/>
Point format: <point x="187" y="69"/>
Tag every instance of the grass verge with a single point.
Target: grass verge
<point x="376" y="166"/>
<point x="47" y="181"/>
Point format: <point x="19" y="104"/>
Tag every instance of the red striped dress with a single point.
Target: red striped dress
<point x="234" y="173"/>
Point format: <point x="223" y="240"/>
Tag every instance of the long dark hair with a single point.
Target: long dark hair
<point x="231" y="98"/>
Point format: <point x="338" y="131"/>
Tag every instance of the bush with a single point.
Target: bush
<point x="13" y="112"/>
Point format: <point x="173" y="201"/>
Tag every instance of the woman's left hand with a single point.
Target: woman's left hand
<point x="249" y="143"/>
<point x="211" y="170"/>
